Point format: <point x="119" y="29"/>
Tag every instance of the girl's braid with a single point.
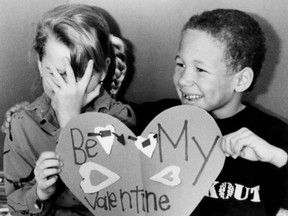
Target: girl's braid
<point x="120" y="64"/>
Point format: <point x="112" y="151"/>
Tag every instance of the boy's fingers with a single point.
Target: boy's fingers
<point x="240" y="145"/>
<point x="248" y="153"/>
<point x="17" y="107"/>
<point x="23" y="104"/>
<point x="4" y="129"/>
<point x="9" y="113"/>
<point x="226" y="145"/>
<point x="234" y="138"/>
<point x="69" y="72"/>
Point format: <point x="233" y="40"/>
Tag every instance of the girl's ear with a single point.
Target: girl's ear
<point x="39" y="66"/>
<point x="104" y="73"/>
<point x="244" y="79"/>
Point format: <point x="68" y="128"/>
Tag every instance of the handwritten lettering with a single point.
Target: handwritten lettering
<point x="184" y="134"/>
<point x="206" y="158"/>
<point x="139" y="199"/>
<point x="175" y="145"/>
<point x="82" y="149"/>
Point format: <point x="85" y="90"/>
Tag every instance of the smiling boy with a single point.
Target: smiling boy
<point x="219" y="58"/>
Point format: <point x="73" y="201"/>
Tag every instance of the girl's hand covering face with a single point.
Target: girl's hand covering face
<point x="69" y="95"/>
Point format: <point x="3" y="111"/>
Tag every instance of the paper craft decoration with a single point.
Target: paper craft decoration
<point x="105" y="140"/>
<point x="173" y="172"/>
<point x="165" y="171"/>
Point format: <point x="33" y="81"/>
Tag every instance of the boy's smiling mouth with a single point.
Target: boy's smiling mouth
<point x="191" y="97"/>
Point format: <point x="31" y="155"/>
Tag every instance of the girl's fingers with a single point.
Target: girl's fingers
<point x="45" y="184"/>
<point x="47" y="173"/>
<point x="47" y="155"/>
<point x="69" y="72"/>
<point x="51" y="163"/>
<point x="50" y="82"/>
<point x="58" y="78"/>
<point x="87" y="75"/>
<point x="50" y="181"/>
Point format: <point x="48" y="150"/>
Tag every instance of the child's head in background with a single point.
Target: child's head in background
<point x="220" y="56"/>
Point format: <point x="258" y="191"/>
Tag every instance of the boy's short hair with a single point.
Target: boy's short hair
<point x="244" y="39"/>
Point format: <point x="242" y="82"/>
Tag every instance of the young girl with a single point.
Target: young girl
<point x="76" y="61"/>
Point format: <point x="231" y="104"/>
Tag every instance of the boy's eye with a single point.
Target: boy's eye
<point x="200" y="70"/>
<point x="180" y="65"/>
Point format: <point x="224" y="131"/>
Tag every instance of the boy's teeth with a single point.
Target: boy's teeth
<point x="192" y="97"/>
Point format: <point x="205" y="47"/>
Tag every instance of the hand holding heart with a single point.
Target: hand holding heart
<point x="165" y="171"/>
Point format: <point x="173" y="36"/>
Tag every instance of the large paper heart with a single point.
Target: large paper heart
<point x="165" y="171"/>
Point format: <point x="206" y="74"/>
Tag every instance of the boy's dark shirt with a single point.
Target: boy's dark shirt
<point x="272" y="180"/>
<point x="146" y="112"/>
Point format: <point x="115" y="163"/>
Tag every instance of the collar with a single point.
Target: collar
<point x="102" y="103"/>
<point x="42" y="106"/>
<point x="44" y="113"/>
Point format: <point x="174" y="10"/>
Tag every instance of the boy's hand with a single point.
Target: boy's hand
<point x="282" y="212"/>
<point x="46" y="174"/>
<point x="69" y="95"/>
<point x="246" y="144"/>
<point x="8" y="115"/>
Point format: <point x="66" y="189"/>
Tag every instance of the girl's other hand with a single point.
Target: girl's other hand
<point x="46" y="173"/>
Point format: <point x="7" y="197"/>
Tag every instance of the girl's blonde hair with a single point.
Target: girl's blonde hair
<point x="86" y="33"/>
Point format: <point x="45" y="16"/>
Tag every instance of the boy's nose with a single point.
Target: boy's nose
<point x="187" y="78"/>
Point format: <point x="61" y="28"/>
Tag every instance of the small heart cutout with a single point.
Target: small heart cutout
<point x="146" y="145"/>
<point x="168" y="176"/>
<point x="85" y="171"/>
<point x="105" y="137"/>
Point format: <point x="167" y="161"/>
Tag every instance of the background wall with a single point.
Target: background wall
<point x="153" y="27"/>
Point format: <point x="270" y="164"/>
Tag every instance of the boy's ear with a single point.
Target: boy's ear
<point x="244" y="79"/>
